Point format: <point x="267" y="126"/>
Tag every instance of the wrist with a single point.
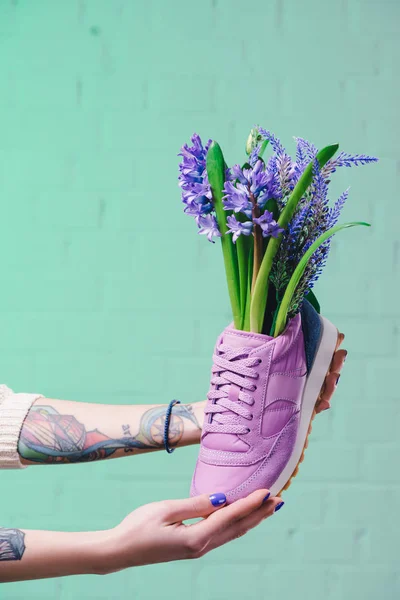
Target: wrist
<point x="116" y="551"/>
<point x="105" y="557"/>
<point x="185" y="427"/>
<point x="194" y="428"/>
<point x="198" y="408"/>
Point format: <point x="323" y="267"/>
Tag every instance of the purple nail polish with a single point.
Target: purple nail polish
<point x="279" y="506"/>
<point x="217" y="499"/>
<point x="337" y="380"/>
<point x="266" y="497"/>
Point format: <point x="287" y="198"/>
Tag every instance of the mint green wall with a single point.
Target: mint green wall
<point x="107" y="293"/>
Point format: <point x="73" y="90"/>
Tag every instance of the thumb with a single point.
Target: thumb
<point x="198" y="506"/>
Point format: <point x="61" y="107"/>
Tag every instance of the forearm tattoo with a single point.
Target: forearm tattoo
<point x="49" y="437"/>
<point x="12" y="544"/>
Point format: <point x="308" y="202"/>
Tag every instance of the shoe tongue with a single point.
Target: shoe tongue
<point x="244" y="339"/>
<point x="233" y="338"/>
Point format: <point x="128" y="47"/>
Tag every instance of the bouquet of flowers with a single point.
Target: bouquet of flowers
<point x="273" y="218"/>
<point x="278" y="363"/>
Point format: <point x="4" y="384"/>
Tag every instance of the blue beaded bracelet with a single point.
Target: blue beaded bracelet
<point x="166" y="425"/>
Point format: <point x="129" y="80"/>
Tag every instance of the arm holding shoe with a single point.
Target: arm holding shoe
<point x="153" y="533"/>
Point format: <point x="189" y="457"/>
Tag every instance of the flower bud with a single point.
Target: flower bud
<point x="252" y="140"/>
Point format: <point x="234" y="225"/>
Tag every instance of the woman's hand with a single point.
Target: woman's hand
<point x="332" y="379"/>
<point x="155" y="533"/>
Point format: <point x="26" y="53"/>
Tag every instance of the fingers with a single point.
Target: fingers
<point x="230" y="523"/>
<point x="223" y="519"/>
<point x="332" y="380"/>
<point x="241" y="527"/>
<point x="338" y="360"/>
<point x="191" y="508"/>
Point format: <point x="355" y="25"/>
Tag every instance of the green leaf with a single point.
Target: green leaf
<point x="215" y="166"/>
<point x="313" y="301"/>
<point x="263" y="148"/>
<point x="260" y="291"/>
<point x="298" y="272"/>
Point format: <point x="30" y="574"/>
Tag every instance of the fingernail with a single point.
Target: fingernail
<point x="266" y="497"/>
<point x="279" y="506"/>
<point x="337" y="380"/>
<point x="345" y="356"/>
<point x="217" y="499"/>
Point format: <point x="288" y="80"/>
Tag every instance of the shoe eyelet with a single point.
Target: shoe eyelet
<point x="257" y="376"/>
<point x="251" y="417"/>
<point x="253" y="388"/>
<point x="259" y="361"/>
<point x="248" y="430"/>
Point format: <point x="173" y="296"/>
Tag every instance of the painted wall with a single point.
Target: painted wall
<point x="108" y="295"/>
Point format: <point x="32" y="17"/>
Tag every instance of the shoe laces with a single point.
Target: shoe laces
<point x="231" y="366"/>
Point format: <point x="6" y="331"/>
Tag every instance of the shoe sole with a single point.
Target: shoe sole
<point x="315" y="385"/>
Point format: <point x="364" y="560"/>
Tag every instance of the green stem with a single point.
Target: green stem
<point x="258" y="242"/>
<point x="260" y="291"/>
<point x="242" y="248"/>
<point x="215" y="166"/>
<point x="258" y="254"/>
<point x="246" y="324"/>
<point x="299" y="270"/>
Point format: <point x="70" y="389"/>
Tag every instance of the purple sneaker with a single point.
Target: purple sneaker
<point x="262" y="399"/>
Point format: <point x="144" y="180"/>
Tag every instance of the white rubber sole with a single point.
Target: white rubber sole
<point x="312" y="388"/>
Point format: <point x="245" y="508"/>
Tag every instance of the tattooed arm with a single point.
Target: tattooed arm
<point x="27" y="554"/>
<point x="58" y="431"/>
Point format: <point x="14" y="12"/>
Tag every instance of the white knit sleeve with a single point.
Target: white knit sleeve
<point x="13" y="410"/>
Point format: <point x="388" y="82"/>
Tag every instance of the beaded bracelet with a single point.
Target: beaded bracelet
<point x="166" y="425"/>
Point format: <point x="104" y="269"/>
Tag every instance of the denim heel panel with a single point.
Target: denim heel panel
<point x="312" y="329"/>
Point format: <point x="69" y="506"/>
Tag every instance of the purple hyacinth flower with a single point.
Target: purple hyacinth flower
<point x="258" y="167"/>
<point x="260" y="181"/>
<point x="194" y="209"/>
<point x="243" y="175"/>
<point x="268" y="224"/>
<point x="193" y="180"/>
<point x="197" y="192"/>
<point x="237" y="228"/>
<point x="237" y="198"/>
<point x="192" y="167"/>
<point x="197" y="152"/>
<point x="255" y="185"/>
<point x="253" y="158"/>
<point x="274" y="230"/>
<point x="266" y="218"/>
<point x="200" y="192"/>
<point x="208" y="226"/>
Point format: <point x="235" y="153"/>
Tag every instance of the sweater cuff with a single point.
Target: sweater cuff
<point x="13" y="410"/>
